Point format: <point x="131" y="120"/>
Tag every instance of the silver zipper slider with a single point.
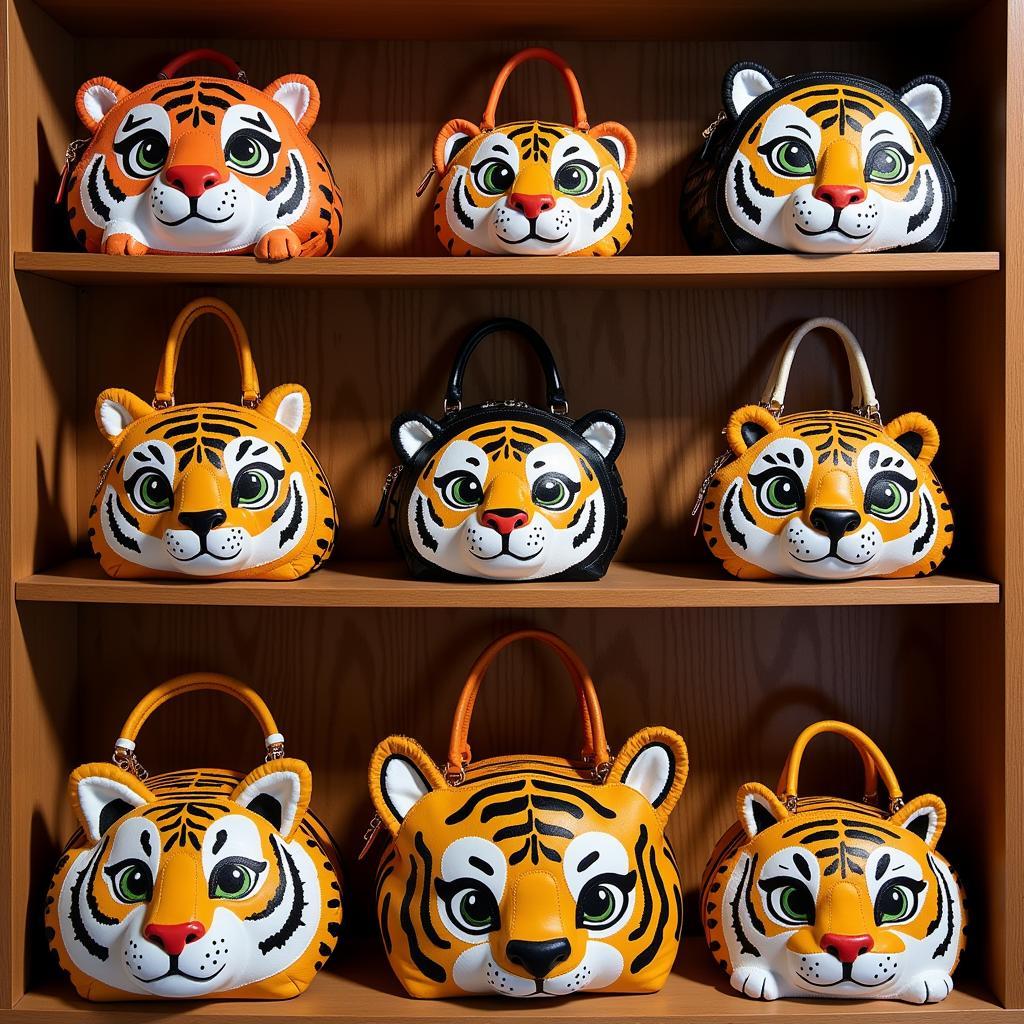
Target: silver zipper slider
<point x="702" y="492"/>
<point x="370" y="835"/>
<point x="385" y="494"/>
<point x="424" y="182"/>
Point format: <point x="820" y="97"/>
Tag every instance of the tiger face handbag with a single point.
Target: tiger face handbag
<point x="198" y="883"/>
<point x="529" y="876"/>
<point x="203" y="164"/>
<point x="820" y="163"/>
<point x="533" y="188"/>
<point x="210" y="491"/>
<point x="826" y="495"/>
<point x="823" y="898"/>
<point x="504" y="491"/>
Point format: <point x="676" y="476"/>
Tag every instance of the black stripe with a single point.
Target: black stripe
<point x="178" y="101"/>
<point x="115" y="528"/>
<point x="746" y="946"/>
<point x="645" y="916"/>
<point x="820" y="837"/>
<point x="816" y="92"/>
<point x="550" y="803"/>
<point x="751" y="912"/>
<point x="504" y="808"/>
<point x="293" y="526"/>
<point x="278" y="897"/>
<point x="514" y="831"/>
<point x="943" y="946"/>
<point x="550" y="787"/>
<point x="421" y="526"/>
<point x="214" y="101"/>
<point x="384" y="933"/>
<point x="290" y="205"/>
<point x="94" y="193"/>
<point x="651" y="951"/>
<point x="527" y="433"/>
<point x="484" y="794"/>
<point x="174" y="419"/>
<point x="77" y="923"/>
<point x="553" y="830"/>
<point x="168" y="90"/>
<point x="431" y="968"/>
<point x="221" y="87"/>
<point x="428" y="925"/>
<point x="807" y="825"/>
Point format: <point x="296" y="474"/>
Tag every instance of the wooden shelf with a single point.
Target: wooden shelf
<point x="386" y="585"/>
<point x="888" y="270"/>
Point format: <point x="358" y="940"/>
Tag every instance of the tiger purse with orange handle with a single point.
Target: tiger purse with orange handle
<point x="204" y="164"/>
<point x="827" y="898"/>
<point x="197" y="883"/>
<point x="210" y="491"/>
<point x="533" y="187"/>
<point x="528" y="875"/>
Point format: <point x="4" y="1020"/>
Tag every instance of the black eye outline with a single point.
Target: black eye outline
<point x="589" y="180"/>
<point x="454" y="893"/>
<point x="906" y="158"/>
<point x="911" y="889"/>
<point x="252" y="868"/>
<point x="119" y="871"/>
<point x="482" y="170"/>
<point x="619" y="885"/>
<point x="269" y="148"/>
<point x="906" y="487"/>
<point x="774" y="890"/>
<point x="447" y="484"/>
<point x="761" y="482"/>
<point x="570" y="488"/>
<point x="133" y="486"/>
<point x="128" y="150"/>
<point x="770" y="152"/>
<point x="264" y="469"/>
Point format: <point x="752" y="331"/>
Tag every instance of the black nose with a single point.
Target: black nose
<point x="835" y="522"/>
<point x="203" y="522"/>
<point x="538" y="958"/>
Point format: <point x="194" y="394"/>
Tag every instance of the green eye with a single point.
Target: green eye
<point x="460" y="490"/>
<point x="887" y="497"/>
<point x="576" y="178"/>
<point x="604" y="901"/>
<point x="898" y="900"/>
<point x="475" y="910"/>
<point x="256" y="487"/>
<point x="494" y="176"/>
<point x="132" y="881"/>
<point x="142" y="154"/>
<point x="150" y="492"/>
<point x="792" y="158"/>
<point x="554" y="492"/>
<point x="251" y="152"/>
<point x="789" y="902"/>
<point x="779" y="492"/>
<point x="794" y="903"/>
<point x="887" y="164"/>
<point x="470" y="905"/>
<point x="234" y="878"/>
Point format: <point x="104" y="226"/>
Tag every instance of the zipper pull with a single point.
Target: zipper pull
<point x="71" y="157"/>
<point x="385" y="494"/>
<point x="702" y="491"/>
<point x="422" y="187"/>
<point x="370" y="836"/>
<point x="708" y="134"/>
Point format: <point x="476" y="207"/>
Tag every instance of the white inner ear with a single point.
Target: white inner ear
<point x="403" y="785"/>
<point x="933" y="821"/>
<point x="291" y="411"/>
<point x="750" y="823"/>
<point x="412" y="436"/>
<point x="285" y="787"/>
<point x="294" y="97"/>
<point x="95" y="793"/>
<point x="925" y="100"/>
<point x="452" y="144"/>
<point x="98" y="99"/>
<point x="114" y="417"/>
<point x="618" y="150"/>
<point x="602" y="435"/>
<point x="747" y="85"/>
<point x="650" y="773"/>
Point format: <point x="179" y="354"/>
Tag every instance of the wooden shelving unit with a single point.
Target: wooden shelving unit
<point x="931" y="667"/>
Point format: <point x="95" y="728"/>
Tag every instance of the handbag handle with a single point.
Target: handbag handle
<point x="171" y="68"/>
<point x="555" y="392"/>
<point x="595" y="745"/>
<point x="579" y="113"/>
<point x="164" y="390"/>
<point x="870" y="775"/>
<point x="867" y="748"/>
<point x="124" y="748"/>
<point x="865" y="402"/>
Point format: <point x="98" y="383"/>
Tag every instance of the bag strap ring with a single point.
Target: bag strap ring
<point x="866" y="747"/>
<point x="171" y="68"/>
<point x="579" y="113"/>
<point x="595" y="745"/>
<point x="864" y="403"/>
<point x="164" y="390"/>
<point x="124" y="749"/>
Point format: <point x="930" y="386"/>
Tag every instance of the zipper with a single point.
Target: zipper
<point x="702" y="491"/>
<point x="385" y="493"/>
<point x="424" y="182"/>
<point x="370" y="835"/>
<point x="71" y="157"/>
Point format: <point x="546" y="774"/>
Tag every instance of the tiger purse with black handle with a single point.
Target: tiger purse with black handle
<point x="826" y="495"/>
<point x="820" y="163"/>
<point x="211" y="491"/>
<point x="504" y="491"/>
<point x="526" y="875"/>
<point x="196" y="883"/>
<point x="818" y="897"/>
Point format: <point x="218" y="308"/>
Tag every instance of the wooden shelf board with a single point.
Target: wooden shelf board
<point x="889" y="270"/>
<point x="386" y="585"/>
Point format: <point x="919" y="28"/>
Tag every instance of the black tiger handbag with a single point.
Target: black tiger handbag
<point x="504" y="491"/>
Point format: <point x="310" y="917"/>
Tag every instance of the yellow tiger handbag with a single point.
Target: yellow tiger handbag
<point x="210" y="491"/>
<point x="533" y="188"/>
<point x="825" y="898"/>
<point x="196" y="883"/>
<point x="525" y="876"/>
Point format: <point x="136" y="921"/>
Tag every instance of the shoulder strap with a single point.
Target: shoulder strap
<point x="579" y="114"/>
<point x="171" y="68"/>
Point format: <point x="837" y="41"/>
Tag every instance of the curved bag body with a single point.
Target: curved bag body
<point x="820" y="163"/>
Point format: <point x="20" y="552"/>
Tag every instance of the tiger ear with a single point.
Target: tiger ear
<point x="604" y="430"/>
<point x="619" y="141"/>
<point x="928" y="97"/>
<point x="410" y="432"/>
<point x="749" y="425"/>
<point x="117" y="409"/>
<point x="655" y="763"/>
<point x="287" y="404"/>
<point x="758" y="808"/>
<point x="401" y="774"/>
<point x="101" y="794"/>
<point x="925" y="816"/>
<point x="278" y="791"/>
<point x="743" y="83"/>
<point x="299" y="96"/>
<point x="915" y="433"/>
<point x="450" y="139"/>
<point x="94" y="100"/>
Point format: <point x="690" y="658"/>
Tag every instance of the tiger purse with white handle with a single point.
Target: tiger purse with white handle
<point x="197" y="883"/>
<point x="825" y="898"/>
<point x="528" y="876"/>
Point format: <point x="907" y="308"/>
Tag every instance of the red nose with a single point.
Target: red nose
<point x="192" y="179"/>
<point x="173" y="938"/>
<point x="505" y="520"/>
<point x="846" y="948"/>
<point x="531" y="206"/>
<point x="840" y="196"/>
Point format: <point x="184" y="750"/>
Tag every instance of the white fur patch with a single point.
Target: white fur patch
<point x="114" y="417"/>
<point x="294" y="97"/>
<point x="747" y="85"/>
<point x="403" y="785"/>
<point x="98" y="100"/>
<point x="291" y="412"/>
<point x="925" y="100"/>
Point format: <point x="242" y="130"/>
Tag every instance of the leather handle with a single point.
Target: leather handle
<point x="870" y="776"/>
<point x="555" y="392"/>
<point x="867" y="748"/>
<point x="164" y="390"/>
<point x="864" y="400"/>
<point x="171" y="68"/>
<point x="595" y="744"/>
<point x="579" y="113"/>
